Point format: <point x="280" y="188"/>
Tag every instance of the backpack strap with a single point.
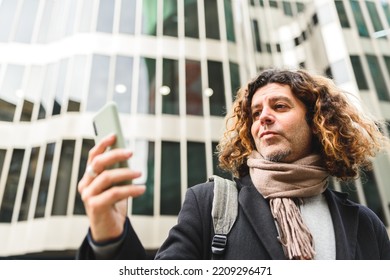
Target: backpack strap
<point x="224" y="212"/>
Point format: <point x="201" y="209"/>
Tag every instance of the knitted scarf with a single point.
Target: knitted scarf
<point x="285" y="184"/>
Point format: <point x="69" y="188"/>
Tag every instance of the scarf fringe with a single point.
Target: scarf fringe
<point x="295" y="236"/>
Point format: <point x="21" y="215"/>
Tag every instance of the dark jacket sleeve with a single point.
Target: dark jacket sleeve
<point x="190" y="238"/>
<point x="130" y="249"/>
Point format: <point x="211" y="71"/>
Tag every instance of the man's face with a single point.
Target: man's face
<point x="280" y="130"/>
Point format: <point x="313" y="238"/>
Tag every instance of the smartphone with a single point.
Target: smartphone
<point x="106" y="121"/>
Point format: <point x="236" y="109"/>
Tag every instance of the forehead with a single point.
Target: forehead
<point x="273" y="91"/>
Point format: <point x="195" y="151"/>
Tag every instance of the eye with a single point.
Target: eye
<point x="281" y="107"/>
<point x="256" y="115"/>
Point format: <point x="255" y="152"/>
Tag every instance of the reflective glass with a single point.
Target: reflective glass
<point x="170" y="102"/>
<point x="256" y="34"/>
<point x="123" y="83"/>
<point x="71" y="19"/>
<point x="2" y="157"/>
<point x="359" y="19"/>
<point x="235" y="80"/>
<point x="170" y="19"/>
<point x="342" y="14"/>
<point x="27" y="111"/>
<point x="287" y="9"/>
<point x="375" y="19"/>
<point x="78" y="78"/>
<point x="43" y="35"/>
<point x="216" y="83"/>
<point x="12" y="83"/>
<point x="377" y="76"/>
<point x="105" y="20"/>
<point x="127" y="17"/>
<point x="387" y="62"/>
<point x="147" y="86"/>
<point x="27" y="17"/>
<point x="230" y="34"/>
<point x="386" y="9"/>
<point x="191" y="25"/>
<point x="11" y="186"/>
<point x="61" y="194"/>
<point x="144" y="161"/>
<point x="196" y="163"/>
<point x="149" y="17"/>
<point x="7" y="15"/>
<point x="28" y="185"/>
<point x="60" y="86"/>
<point x="98" y="83"/>
<point x="194" y="97"/>
<point x="211" y="16"/>
<point x="45" y="180"/>
<point x="359" y="73"/>
<point x="85" y="20"/>
<point x="170" y="201"/>
<point x="49" y="87"/>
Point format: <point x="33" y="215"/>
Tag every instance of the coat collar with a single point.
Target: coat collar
<point x="256" y="209"/>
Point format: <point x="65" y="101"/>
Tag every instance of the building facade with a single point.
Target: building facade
<point x="172" y="67"/>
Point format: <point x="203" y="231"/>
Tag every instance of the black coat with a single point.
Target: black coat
<point x="359" y="233"/>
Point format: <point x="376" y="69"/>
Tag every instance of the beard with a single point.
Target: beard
<point x="277" y="156"/>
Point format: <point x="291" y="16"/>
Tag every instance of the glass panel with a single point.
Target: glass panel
<point x="27" y="111"/>
<point x="2" y="157"/>
<point x="45" y="23"/>
<point x="123" y="83"/>
<point x="85" y="20"/>
<point x="216" y="83"/>
<point x="11" y="186"/>
<point x="229" y="21"/>
<point x="216" y="170"/>
<point x="127" y="20"/>
<point x="234" y="78"/>
<point x="12" y="83"/>
<point x="33" y="88"/>
<point x="194" y="97"/>
<point x="375" y="19"/>
<point x="340" y="72"/>
<point x="48" y="88"/>
<point x="144" y="160"/>
<point x="7" y="15"/>
<point x="211" y="16"/>
<point x="361" y="24"/>
<point x="170" y="178"/>
<point x="387" y="62"/>
<point x="105" y="20"/>
<point x="170" y="18"/>
<point x="273" y="4"/>
<point x="7" y="111"/>
<point x="191" y="18"/>
<point x="45" y="180"/>
<point x="170" y="102"/>
<point x="300" y="7"/>
<point x="256" y="33"/>
<point x="147" y="86"/>
<point x="86" y="146"/>
<point x="71" y="21"/>
<point x="371" y="193"/>
<point x="287" y="9"/>
<point x="377" y="76"/>
<point x="386" y="9"/>
<point x="149" y="17"/>
<point x="359" y="73"/>
<point x="342" y="14"/>
<point x="196" y="163"/>
<point x="60" y="202"/>
<point x="350" y="188"/>
<point x="28" y="185"/>
<point x="26" y="21"/>
<point x="98" y="84"/>
<point x="60" y="86"/>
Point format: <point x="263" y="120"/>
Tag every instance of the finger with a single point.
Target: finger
<point x="101" y="147"/>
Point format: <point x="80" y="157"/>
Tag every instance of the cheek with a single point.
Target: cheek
<point x="255" y="130"/>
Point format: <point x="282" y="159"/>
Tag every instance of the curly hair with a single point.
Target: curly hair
<point x="343" y="135"/>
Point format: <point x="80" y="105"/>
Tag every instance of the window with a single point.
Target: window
<point x="342" y="14"/>
<point x="359" y="19"/>
<point x="170" y="101"/>
<point x="147" y="86"/>
<point x="196" y="163"/>
<point x="45" y="180"/>
<point x="216" y="169"/>
<point x="375" y="19"/>
<point x="127" y="17"/>
<point x="27" y="111"/>
<point x="212" y="23"/>
<point x="287" y="9"/>
<point x="216" y="83"/>
<point x="256" y="33"/>
<point x="105" y="20"/>
<point x="149" y="17"/>
<point x="123" y="83"/>
<point x="377" y="76"/>
<point x="60" y="86"/>
<point x="144" y="160"/>
<point x="27" y="17"/>
<point x="28" y="185"/>
<point x="191" y="18"/>
<point x="234" y="78"/>
<point x="12" y="83"/>
<point x="230" y="35"/>
<point x="7" y="15"/>
<point x="170" y="19"/>
<point x="359" y="73"/>
<point x="170" y="178"/>
<point x="61" y="194"/>
<point x="11" y="186"/>
<point x="98" y="84"/>
<point x="387" y="62"/>
<point x="386" y="9"/>
<point x="78" y="78"/>
<point x="194" y="97"/>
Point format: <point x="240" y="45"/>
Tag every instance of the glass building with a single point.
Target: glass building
<point x="172" y="67"/>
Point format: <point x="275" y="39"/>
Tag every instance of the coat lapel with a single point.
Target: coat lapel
<point x="256" y="209"/>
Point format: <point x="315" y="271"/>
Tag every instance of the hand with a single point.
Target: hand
<point x="104" y="201"/>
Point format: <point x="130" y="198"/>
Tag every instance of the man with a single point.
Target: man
<point x="287" y="133"/>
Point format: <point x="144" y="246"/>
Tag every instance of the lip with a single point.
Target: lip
<point x="265" y="133"/>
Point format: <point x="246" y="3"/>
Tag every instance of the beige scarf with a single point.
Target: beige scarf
<point x="281" y="183"/>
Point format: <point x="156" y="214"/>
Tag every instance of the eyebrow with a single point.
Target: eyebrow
<point x="274" y="99"/>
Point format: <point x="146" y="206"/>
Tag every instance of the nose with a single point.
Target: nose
<point x="266" y="117"/>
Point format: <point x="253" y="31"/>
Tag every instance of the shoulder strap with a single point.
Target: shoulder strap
<point x="224" y="211"/>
